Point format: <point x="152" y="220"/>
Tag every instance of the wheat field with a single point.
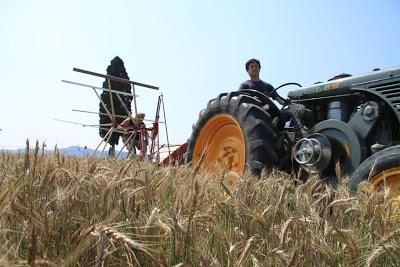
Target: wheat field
<point x="66" y="211"/>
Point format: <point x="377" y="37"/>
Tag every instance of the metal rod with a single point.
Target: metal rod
<point x="117" y="79"/>
<point x="166" y="128"/>
<point x="143" y="145"/>
<point x="115" y="130"/>
<point x="153" y="141"/>
<point x="98" y="88"/>
<point x="71" y="122"/>
<point x="85" y="125"/>
<point x="102" y="140"/>
<point x="98" y="113"/>
<point x="111" y="101"/>
<point x="152" y="148"/>
<point x="158" y="150"/>
<point x="104" y="124"/>
<point x="152" y="144"/>
<point x="129" y="138"/>
<point x="104" y="105"/>
<point x="108" y="139"/>
<point x="134" y="99"/>
<point x="124" y="106"/>
<point x="97" y="126"/>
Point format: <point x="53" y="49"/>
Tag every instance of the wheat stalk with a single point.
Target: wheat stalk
<point x="283" y="231"/>
<point x="381" y="250"/>
<point x="245" y="251"/>
<point x="116" y="236"/>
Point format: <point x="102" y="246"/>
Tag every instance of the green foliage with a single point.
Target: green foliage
<point x="117" y="69"/>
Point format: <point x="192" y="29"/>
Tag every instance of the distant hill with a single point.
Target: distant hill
<point x="71" y="151"/>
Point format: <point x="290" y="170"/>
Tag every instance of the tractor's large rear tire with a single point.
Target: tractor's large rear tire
<point x="236" y="132"/>
<point x="381" y="169"/>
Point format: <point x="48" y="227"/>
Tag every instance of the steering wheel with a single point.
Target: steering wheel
<point x="280" y="86"/>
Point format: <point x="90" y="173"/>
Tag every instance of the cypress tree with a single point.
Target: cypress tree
<point x="117" y="69"/>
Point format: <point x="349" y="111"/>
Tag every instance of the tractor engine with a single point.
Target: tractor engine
<point x="346" y="128"/>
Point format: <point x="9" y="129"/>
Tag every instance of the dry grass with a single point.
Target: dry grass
<point x="66" y="211"/>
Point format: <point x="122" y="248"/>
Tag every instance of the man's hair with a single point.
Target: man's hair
<point x="253" y="60"/>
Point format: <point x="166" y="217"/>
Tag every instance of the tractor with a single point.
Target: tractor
<point x="351" y="123"/>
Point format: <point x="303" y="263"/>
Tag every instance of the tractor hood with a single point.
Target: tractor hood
<point x="343" y="85"/>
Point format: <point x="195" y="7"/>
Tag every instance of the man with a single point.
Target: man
<point x="253" y="67"/>
<point x="128" y="126"/>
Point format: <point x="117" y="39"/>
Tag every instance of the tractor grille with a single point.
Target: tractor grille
<point x="389" y="91"/>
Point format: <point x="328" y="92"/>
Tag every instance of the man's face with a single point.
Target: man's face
<point x="253" y="70"/>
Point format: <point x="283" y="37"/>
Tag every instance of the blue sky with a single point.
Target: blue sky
<point x="192" y="50"/>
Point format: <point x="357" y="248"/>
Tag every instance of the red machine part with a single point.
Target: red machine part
<point x="177" y="156"/>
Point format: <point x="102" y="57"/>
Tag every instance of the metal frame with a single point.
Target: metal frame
<point x="142" y="130"/>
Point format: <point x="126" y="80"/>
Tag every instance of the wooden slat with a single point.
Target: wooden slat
<point x="117" y="79"/>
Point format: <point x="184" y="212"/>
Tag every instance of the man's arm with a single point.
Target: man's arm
<point x="124" y="125"/>
<point x="276" y="97"/>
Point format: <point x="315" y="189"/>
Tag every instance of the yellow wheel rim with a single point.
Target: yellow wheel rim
<point x="221" y="143"/>
<point x="390" y="179"/>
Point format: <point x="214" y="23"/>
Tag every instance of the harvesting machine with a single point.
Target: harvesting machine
<point x="135" y="134"/>
<point x="351" y="122"/>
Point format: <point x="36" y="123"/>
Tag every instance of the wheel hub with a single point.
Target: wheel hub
<point x="229" y="157"/>
<point x="313" y="153"/>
